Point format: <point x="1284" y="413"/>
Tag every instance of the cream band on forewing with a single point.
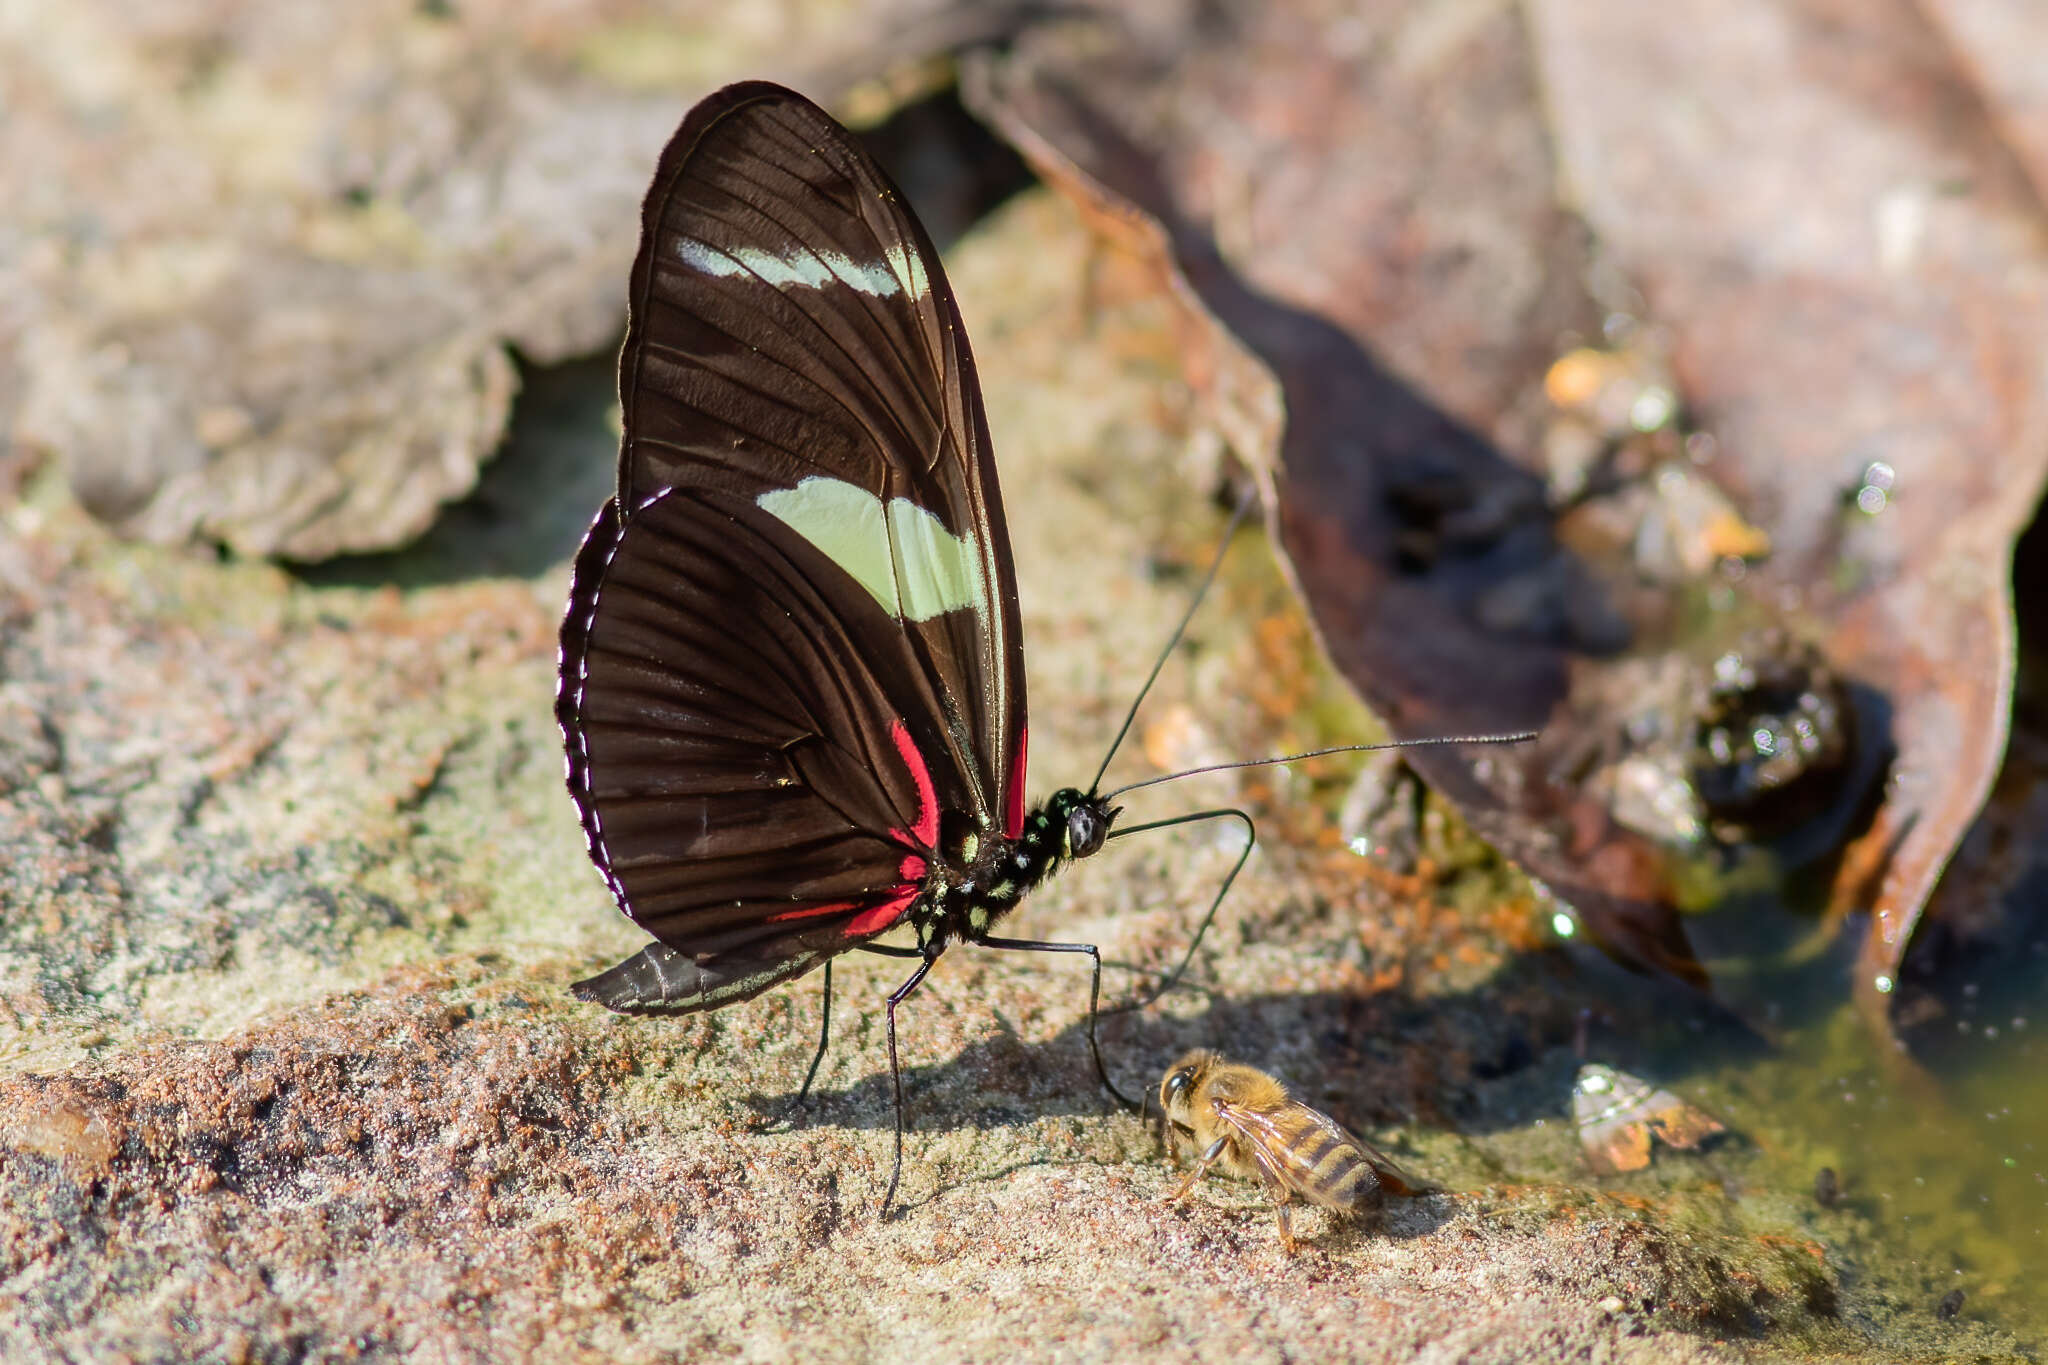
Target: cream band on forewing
<point x="928" y="572"/>
<point x="811" y="268"/>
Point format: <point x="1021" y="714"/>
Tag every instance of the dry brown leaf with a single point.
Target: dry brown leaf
<point x="1822" y="237"/>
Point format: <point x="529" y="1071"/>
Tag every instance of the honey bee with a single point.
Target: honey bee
<point x="1245" y="1120"/>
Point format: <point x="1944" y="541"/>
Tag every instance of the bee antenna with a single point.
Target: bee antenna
<point x="1520" y="737"/>
<point x="1244" y="505"/>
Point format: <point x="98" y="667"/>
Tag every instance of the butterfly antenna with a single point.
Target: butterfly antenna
<point x="1520" y="737"/>
<point x="1244" y="505"/>
<point x="1172" y="978"/>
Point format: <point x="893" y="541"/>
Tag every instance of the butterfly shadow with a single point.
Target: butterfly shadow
<point x="1372" y="1060"/>
<point x="1001" y="1081"/>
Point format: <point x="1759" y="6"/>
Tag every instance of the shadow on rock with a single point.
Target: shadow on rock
<point x="531" y="504"/>
<point x="1475" y="1062"/>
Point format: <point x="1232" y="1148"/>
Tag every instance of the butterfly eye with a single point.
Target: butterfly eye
<point x="1087" y="827"/>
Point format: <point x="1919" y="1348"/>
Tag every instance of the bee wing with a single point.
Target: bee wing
<point x="1291" y="1146"/>
<point x="1392" y="1178"/>
<point x="1296" y="1160"/>
<point x="1263" y="1139"/>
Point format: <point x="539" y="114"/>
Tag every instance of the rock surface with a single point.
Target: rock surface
<point x="292" y="892"/>
<point x="263" y="271"/>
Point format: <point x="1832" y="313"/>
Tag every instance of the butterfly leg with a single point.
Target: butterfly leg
<point x="803" y="1092"/>
<point x="1251" y="831"/>
<point x="788" y="1111"/>
<point x="901" y="994"/>
<point x="1029" y="945"/>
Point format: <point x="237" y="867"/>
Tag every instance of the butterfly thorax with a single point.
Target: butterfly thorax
<point x="982" y="877"/>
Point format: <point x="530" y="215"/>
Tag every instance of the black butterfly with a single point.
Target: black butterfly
<point x="792" y="683"/>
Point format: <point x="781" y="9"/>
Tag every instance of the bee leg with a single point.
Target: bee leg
<point x="1202" y="1165"/>
<point x="1280" y="1194"/>
<point x="901" y="993"/>
<point x="1172" y="1140"/>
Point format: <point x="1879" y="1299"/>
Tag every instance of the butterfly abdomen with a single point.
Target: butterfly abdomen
<point x="660" y="980"/>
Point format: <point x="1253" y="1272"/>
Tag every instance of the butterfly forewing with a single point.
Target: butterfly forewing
<point x="791" y="648"/>
<point x="791" y="329"/>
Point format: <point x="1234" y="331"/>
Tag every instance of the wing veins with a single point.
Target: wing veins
<point x="870" y="313"/>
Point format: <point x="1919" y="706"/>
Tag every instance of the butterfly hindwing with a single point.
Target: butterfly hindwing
<point x="792" y="641"/>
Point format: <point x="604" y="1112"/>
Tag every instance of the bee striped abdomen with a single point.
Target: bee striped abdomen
<point x="1334" y="1173"/>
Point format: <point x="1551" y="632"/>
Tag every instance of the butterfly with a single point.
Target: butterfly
<point x="791" y="685"/>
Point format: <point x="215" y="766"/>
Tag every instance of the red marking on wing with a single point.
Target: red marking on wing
<point x="877" y="915"/>
<point x="924" y="830"/>
<point x="829" y="908"/>
<point x="1013" y="813"/>
<point x="884" y="914"/>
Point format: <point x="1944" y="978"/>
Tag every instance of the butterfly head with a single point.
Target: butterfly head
<point x="1082" y="819"/>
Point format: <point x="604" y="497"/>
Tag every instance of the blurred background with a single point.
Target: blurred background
<point x="1667" y="379"/>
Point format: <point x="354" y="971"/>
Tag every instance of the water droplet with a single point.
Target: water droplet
<point x="1652" y="409"/>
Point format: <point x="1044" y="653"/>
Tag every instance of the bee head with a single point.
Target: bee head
<point x="1176" y="1090"/>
